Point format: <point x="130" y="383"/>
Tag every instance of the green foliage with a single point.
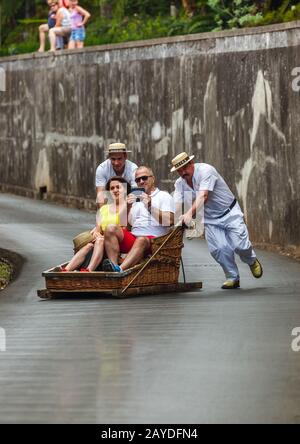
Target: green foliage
<point x="288" y="11"/>
<point x="132" y="29"/>
<point x="147" y="7"/>
<point x="31" y="21"/>
<point x="140" y="19"/>
<point x="185" y="25"/>
<point x="234" y="14"/>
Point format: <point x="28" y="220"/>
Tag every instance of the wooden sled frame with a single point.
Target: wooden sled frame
<point x="180" y="287"/>
<point x="157" y="274"/>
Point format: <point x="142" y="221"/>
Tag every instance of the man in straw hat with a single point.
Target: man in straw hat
<point x="225" y="230"/>
<point x="117" y="164"/>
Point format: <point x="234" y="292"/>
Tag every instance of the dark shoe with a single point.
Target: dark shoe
<point x="99" y="268"/>
<point x="256" y="269"/>
<point x="109" y="266"/>
<point x="230" y="285"/>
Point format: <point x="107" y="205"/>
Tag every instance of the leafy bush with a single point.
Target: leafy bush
<point x="141" y="19"/>
<point x="233" y="14"/>
<point x="285" y="13"/>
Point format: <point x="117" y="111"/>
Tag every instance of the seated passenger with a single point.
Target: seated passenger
<point x="151" y="217"/>
<point x="110" y="215"/>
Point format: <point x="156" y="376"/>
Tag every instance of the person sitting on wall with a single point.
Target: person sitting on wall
<point x="225" y="230"/>
<point x="62" y="29"/>
<point x="79" y="18"/>
<point x="151" y="216"/>
<point x="110" y="215"/>
<point x="44" y="29"/>
<point x="117" y="164"/>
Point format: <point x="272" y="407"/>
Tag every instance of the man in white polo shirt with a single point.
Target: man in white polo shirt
<point x="150" y="217"/>
<point x="225" y="230"/>
<point x="117" y="164"/>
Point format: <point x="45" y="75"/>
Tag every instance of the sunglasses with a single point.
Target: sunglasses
<point x="143" y="178"/>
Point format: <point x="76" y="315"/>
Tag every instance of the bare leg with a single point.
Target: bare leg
<point x="79" y="257"/>
<point x="97" y="254"/>
<point x="53" y="33"/>
<point x="113" y="236"/>
<point x="79" y="45"/>
<point x="72" y="44"/>
<point x="42" y="32"/>
<point x="137" y="252"/>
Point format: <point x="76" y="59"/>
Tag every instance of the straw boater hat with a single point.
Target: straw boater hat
<point x="81" y="240"/>
<point x="181" y="160"/>
<point x="117" y="148"/>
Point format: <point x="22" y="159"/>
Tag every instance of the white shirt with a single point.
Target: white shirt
<point x="66" y="20"/>
<point x="143" y="224"/>
<point x="205" y="178"/>
<point x="105" y="172"/>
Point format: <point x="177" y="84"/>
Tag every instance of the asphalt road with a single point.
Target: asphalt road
<point x="203" y="357"/>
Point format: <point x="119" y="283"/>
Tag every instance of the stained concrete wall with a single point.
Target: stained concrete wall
<point x="226" y="97"/>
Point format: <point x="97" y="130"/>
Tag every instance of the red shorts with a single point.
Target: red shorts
<point x="128" y="241"/>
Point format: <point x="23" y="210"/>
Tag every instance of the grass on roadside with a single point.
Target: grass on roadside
<point x="5" y="274"/>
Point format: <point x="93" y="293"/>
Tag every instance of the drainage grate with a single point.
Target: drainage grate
<point x="43" y="193"/>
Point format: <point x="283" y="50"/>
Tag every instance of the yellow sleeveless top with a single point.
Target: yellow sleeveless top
<point x="108" y="218"/>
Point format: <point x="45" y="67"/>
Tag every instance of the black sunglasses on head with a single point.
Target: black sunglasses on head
<point x="143" y="178"/>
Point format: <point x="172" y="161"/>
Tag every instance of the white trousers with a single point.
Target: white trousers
<point x="229" y="236"/>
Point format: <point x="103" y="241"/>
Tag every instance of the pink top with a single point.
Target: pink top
<point x="76" y="19"/>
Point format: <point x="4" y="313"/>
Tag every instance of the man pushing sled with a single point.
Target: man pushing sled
<point x="225" y="230"/>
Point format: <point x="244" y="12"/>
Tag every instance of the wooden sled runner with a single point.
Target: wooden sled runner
<point x="157" y="274"/>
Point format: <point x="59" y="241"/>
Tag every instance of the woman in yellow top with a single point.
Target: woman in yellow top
<point x="115" y="213"/>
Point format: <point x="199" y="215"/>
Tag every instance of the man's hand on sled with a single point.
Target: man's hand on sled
<point x="186" y="219"/>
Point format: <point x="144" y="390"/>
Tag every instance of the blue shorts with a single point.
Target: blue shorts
<point x="78" y="34"/>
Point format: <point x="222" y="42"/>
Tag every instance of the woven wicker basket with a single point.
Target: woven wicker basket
<point x="164" y="269"/>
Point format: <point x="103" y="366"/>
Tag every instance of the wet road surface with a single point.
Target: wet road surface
<point x="203" y="357"/>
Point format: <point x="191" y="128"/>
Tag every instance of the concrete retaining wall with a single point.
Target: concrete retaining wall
<point x="230" y="98"/>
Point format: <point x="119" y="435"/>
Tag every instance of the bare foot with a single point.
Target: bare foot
<point x="40" y="50"/>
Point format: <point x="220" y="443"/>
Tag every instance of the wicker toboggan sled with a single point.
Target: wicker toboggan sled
<point x="157" y="274"/>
